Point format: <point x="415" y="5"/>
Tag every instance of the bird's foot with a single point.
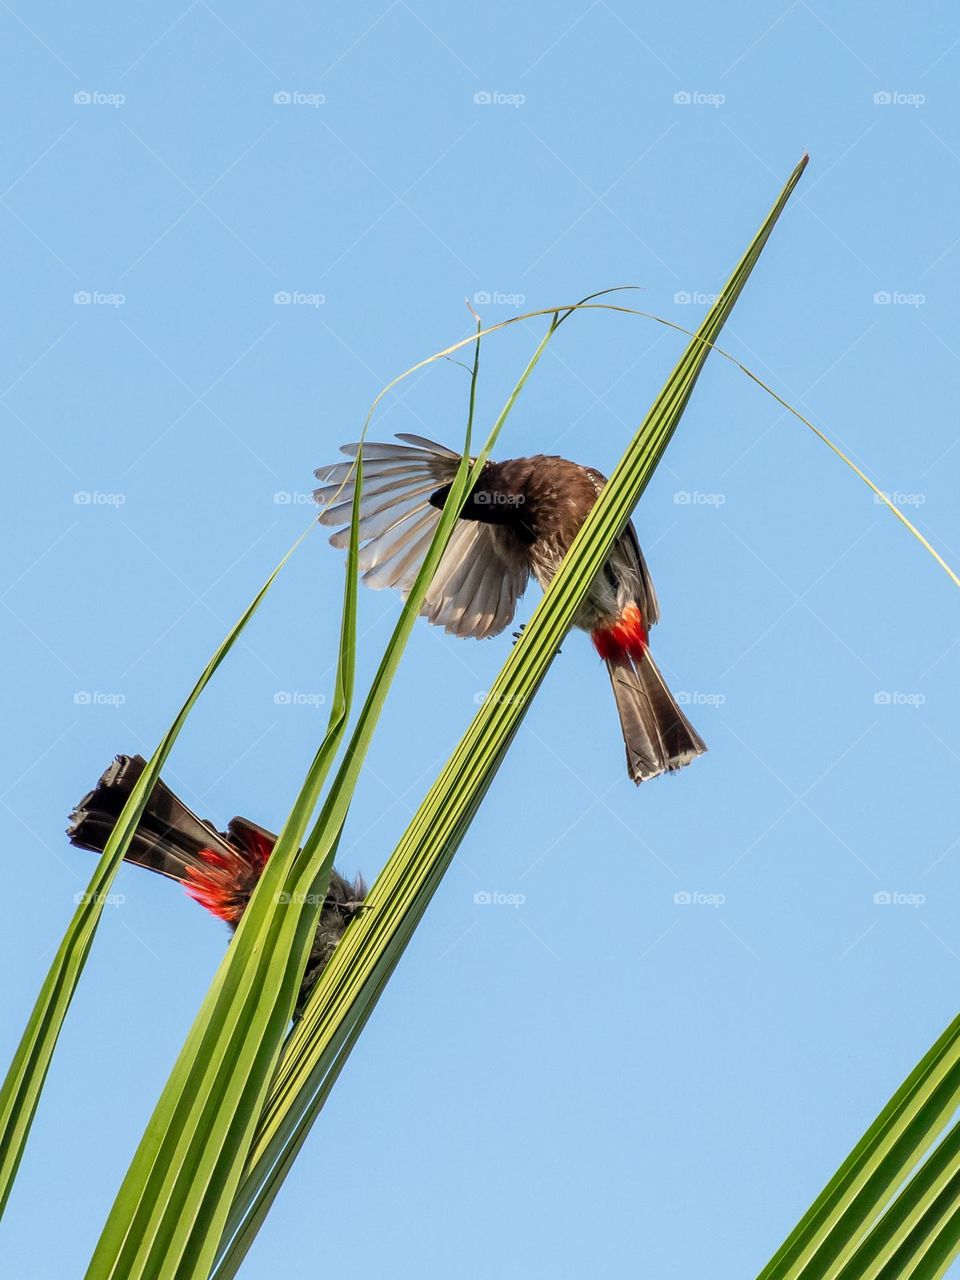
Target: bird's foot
<point x="518" y="634"/>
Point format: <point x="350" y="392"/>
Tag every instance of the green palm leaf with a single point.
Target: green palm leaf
<point x="355" y="976"/>
<point x="919" y="1229"/>
<point x="171" y="1209"/>
<point x="843" y="1233"/>
<point x="150" y="1228"/>
<point x="25" y="1078"/>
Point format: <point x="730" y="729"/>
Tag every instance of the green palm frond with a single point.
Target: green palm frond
<point x="172" y="1207"/>
<point x="852" y="1231"/>
<point x="20" y="1093"/>
<point x="351" y="983"/>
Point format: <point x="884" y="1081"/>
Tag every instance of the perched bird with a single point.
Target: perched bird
<point x="519" y="519"/>
<point x="218" y="869"/>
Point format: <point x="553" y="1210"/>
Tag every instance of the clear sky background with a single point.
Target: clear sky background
<point x="603" y="1078"/>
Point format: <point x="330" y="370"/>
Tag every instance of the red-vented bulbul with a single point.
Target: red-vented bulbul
<point x="218" y="869"/>
<point x="519" y="519"/>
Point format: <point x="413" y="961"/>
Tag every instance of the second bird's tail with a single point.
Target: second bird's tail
<point x="169" y="838"/>
<point x="218" y="869"/>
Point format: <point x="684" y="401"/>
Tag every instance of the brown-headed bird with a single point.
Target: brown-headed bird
<point x="519" y="519"/>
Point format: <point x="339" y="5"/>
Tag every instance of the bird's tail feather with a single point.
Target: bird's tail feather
<point x="218" y="870"/>
<point x="658" y="736"/>
<point x="169" y="837"/>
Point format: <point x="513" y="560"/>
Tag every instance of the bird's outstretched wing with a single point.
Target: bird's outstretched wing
<point x="483" y="571"/>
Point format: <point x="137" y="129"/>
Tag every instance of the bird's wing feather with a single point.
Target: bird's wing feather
<point x="648" y="602"/>
<point x="628" y="560"/>
<point x="481" y="576"/>
<point x="482" y="572"/>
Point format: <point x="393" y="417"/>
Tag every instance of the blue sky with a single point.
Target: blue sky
<point x="603" y="1077"/>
